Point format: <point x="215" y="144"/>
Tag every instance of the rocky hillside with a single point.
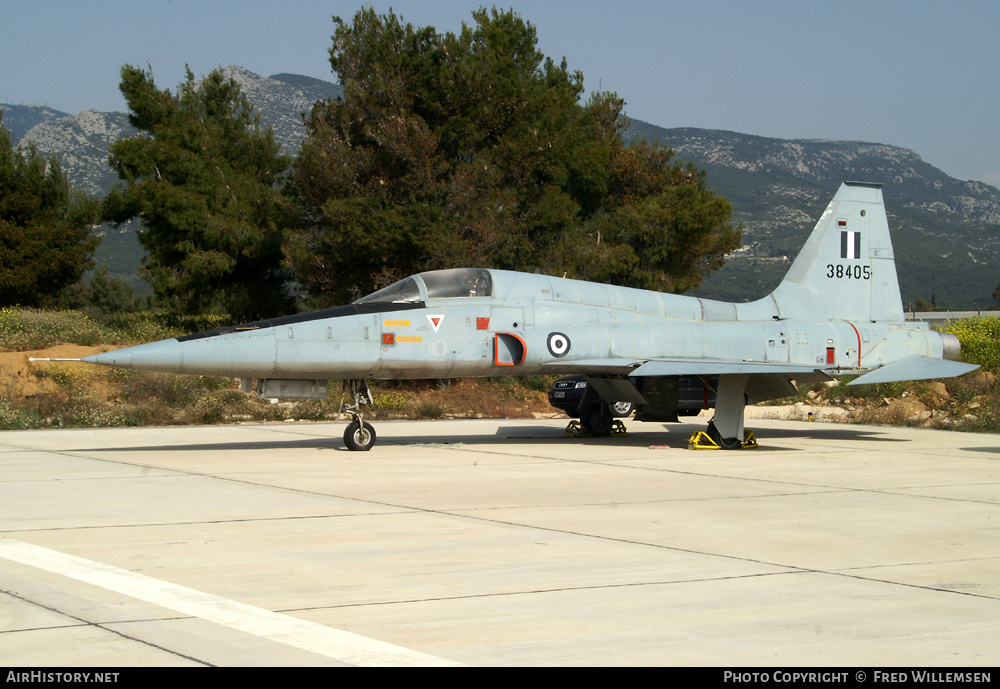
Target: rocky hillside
<point x="81" y="141"/>
<point x="282" y="100"/>
<point x="18" y="119"/>
<point x="946" y="232"/>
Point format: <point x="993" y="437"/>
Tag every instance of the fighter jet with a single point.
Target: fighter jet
<point x="837" y="312"/>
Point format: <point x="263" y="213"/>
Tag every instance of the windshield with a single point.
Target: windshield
<point x="440" y="284"/>
<point x="403" y="291"/>
<point x="458" y="282"/>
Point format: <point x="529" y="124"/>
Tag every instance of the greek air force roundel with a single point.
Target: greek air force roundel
<point x="558" y="344"/>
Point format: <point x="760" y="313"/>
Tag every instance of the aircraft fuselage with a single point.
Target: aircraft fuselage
<point x="530" y="325"/>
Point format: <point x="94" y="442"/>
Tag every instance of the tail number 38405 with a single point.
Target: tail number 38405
<point x="848" y="272"/>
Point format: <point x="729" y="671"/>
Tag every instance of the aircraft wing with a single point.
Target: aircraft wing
<point x="767" y="380"/>
<point x="680" y="367"/>
<point x="609" y="365"/>
<point x="712" y="367"/>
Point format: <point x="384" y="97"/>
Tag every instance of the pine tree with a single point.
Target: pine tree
<point x="45" y="227"/>
<point x="475" y="150"/>
<point x="204" y="177"/>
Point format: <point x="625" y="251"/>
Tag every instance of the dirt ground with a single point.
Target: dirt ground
<point x="24" y="379"/>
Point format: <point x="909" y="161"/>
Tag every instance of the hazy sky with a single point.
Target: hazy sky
<point x="921" y="74"/>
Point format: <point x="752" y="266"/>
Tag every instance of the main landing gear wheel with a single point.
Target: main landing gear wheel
<point x="360" y="435"/>
<point x="621" y="409"/>
<point x="597" y="419"/>
<point x="724" y="443"/>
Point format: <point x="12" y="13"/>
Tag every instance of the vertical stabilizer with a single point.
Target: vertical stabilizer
<point x="846" y="268"/>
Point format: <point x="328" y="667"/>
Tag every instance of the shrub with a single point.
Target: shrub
<point x="94" y="417"/>
<point x="23" y="329"/>
<point x="14" y="419"/>
<point x="389" y="401"/>
<point x="429" y="410"/>
<point x="980" y="339"/>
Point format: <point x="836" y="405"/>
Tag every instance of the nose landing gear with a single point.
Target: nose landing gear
<point x="359" y="435"/>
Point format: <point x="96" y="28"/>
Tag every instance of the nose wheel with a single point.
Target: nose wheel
<point x="359" y="435"/>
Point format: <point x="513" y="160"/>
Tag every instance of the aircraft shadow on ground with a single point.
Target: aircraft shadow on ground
<point x="832" y="432"/>
<point x="993" y="450"/>
<point x="672" y="436"/>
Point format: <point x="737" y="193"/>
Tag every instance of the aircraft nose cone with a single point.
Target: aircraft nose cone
<point x="164" y="356"/>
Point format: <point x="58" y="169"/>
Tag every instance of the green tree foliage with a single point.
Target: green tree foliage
<point x="475" y="150"/>
<point x="45" y="227"/>
<point x="103" y="296"/>
<point x="204" y="178"/>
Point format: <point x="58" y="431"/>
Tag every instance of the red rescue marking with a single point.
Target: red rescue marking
<point x="859" y="343"/>
<point x="388" y="338"/>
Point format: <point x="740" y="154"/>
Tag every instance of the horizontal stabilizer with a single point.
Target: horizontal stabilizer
<point x="915" y="368"/>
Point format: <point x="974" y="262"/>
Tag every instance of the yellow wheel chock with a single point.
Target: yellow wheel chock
<point x="576" y="430"/>
<point x="701" y="441"/>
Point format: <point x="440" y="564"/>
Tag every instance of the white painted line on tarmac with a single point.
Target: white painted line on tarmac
<point x="346" y="647"/>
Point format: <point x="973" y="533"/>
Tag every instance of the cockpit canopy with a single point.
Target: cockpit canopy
<point x="435" y="284"/>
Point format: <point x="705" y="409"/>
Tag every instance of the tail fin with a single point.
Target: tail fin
<point x="846" y="269"/>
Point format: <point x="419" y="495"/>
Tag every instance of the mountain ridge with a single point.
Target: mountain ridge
<point x="946" y="232"/>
